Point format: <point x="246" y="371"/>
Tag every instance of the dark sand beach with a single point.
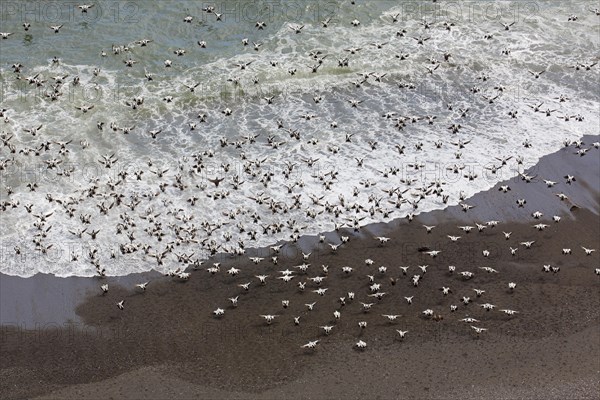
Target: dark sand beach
<point x="62" y="339"/>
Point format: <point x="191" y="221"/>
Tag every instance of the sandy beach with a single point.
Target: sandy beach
<point x="62" y="339"/>
<point x="340" y="199"/>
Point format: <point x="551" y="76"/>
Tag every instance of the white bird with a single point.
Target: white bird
<point x="401" y="333"/>
<point x="382" y="239"/>
<point x="509" y="312"/>
<point x="184" y="276"/>
<point x="467" y="274"/>
<point x="120" y="304"/>
<point x="277" y="248"/>
<point x="478" y="330"/>
<point x="588" y="252"/>
<point x="415" y="280"/>
<point x="310" y="345"/>
<point x="391" y="318"/>
<point x="219" y="312"/>
<point x="480" y="227"/>
<point x="361" y="344"/>
<point x="466" y="207"/>
<point x="546" y="267"/>
<point x="366" y="306"/>
<point x="566" y="251"/>
<point x="334" y="247"/>
<point x="213" y="270"/>
<point x="303" y="267"/>
<point x="327" y="329"/>
<point x="104" y="288"/>
<point x="433" y="253"/>
<point x="429" y="228"/>
<point x="317" y="279"/>
<point x="512" y="285"/>
<point x="142" y="286"/>
<point x="562" y="196"/>
<point x="269" y="318"/>
<point x="409" y="299"/>
<point x="488" y="269"/>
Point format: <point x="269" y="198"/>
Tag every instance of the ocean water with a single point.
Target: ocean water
<point x="540" y="38"/>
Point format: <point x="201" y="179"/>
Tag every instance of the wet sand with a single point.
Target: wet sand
<point x="167" y="344"/>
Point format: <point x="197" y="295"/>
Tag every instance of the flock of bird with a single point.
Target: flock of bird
<point x="161" y="224"/>
<point x="313" y="279"/>
<point x="378" y="282"/>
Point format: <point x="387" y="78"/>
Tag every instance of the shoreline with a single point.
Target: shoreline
<point x="168" y="332"/>
<point x="74" y="289"/>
